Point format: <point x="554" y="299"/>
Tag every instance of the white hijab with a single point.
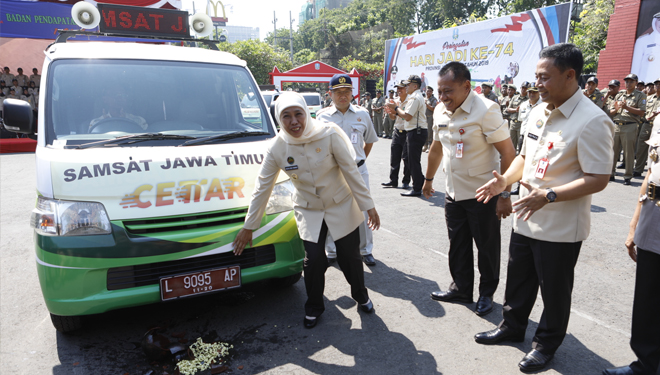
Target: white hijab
<point x="314" y="130"/>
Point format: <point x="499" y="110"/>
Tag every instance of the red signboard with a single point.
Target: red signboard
<point x="123" y="19"/>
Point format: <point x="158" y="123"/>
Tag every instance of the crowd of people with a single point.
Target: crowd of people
<point x="19" y="86"/>
<point x="556" y="141"/>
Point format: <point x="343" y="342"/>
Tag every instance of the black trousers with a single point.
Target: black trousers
<point x="415" y="144"/>
<point x="316" y="263"/>
<point x="470" y="220"/>
<point x="398" y="151"/>
<point x="550" y="265"/>
<point x="645" y="340"/>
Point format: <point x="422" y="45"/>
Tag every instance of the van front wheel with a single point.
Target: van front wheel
<point x="66" y="324"/>
<point x="286" y="282"/>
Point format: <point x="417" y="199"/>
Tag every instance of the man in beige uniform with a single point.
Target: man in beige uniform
<point x="652" y="108"/>
<point x="591" y="92"/>
<point x="470" y="137"/>
<point x="628" y="108"/>
<point x="565" y="158"/>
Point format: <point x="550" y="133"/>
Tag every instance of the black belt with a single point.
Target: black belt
<point x="625" y="123"/>
<point x="360" y="163"/>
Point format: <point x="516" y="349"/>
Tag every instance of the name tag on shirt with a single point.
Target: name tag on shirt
<point x="354" y="137"/>
<point x="533" y="136"/>
<point x="459" y="150"/>
<point x="541" y="168"/>
<point x="442" y="125"/>
<point x="291" y="168"/>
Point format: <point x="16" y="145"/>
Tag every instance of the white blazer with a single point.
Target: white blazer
<point x="328" y="186"/>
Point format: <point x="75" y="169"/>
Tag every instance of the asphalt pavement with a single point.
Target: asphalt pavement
<point x="408" y="334"/>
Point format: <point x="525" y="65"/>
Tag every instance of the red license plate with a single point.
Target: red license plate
<point x="202" y="282"/>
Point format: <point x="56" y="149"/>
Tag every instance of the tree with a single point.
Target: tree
<point x="590" y="33"/>
<point x="260" y="58"/>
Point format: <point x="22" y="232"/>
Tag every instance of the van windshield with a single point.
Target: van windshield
<point x="312" y="100"/>
<point x="93" y="100"/>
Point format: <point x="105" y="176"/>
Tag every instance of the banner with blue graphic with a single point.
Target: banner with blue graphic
<point x="36" y="20"/>
<point x="501" y="50"/>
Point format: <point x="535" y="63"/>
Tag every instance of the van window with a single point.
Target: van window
<point x="103" y="99"/>
<point x="312" y="100"/>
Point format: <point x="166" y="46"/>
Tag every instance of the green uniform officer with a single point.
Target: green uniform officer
<point x="628" y="109"/>
<point x="513" y="109"/>
<point x="591" y="92"/>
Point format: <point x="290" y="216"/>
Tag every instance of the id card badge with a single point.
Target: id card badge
<point x="541" y="168"/>
<point x="459" y="150"/>
<point x="354" y="137"/>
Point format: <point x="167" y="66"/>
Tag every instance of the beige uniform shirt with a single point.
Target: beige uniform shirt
<point x="36" y="78"/>
<point x="652" y="104"/>
<point x="516" y="101"/>
<point x="355" y="123"/>
<point x="22" y="79"/>
<point x="328" y="186"/>
<point x="576" y="138"/>
<point x="416" y="107"/>
<point x="482" y="125"/>
<point x="596" y="97"/>
<point x="636" y="100"/>
<point x="400" y="123"/>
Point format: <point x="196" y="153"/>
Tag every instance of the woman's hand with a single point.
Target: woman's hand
<point x="374" y="219"/>
<point x="630" y="245"/>
<point x="243" y="238"/>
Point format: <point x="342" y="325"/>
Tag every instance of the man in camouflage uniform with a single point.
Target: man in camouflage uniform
<point x="652" y="108"/>
<point x="513" y="109"/>
<point x="591" y="92"/>
<point x="628" y="109"/>
<point x="487" y="92"/>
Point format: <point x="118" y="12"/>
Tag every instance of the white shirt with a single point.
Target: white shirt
<point x="356" y="123"/>
<point x="416" y="107"/>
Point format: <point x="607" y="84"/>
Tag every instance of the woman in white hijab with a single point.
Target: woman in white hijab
<point x="330" y="197"/>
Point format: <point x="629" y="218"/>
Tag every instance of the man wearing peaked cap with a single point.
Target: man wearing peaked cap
<point x="591" y="92"/>
<point x="414" y="114"/>
<point x="628" y="109"/>
<point x="487" y="91"/>
<point x="611" y="91"/>
<point x="356" y="123"/>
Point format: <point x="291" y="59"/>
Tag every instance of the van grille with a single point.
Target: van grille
<point x="149" y="274"/>
<point x="171" y="224"/>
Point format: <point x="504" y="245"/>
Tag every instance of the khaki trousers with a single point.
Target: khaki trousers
<point x="624" y="138"/>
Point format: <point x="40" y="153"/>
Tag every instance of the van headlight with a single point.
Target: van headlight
<point x="281" y="198"/>
<point x="54" y="217"/>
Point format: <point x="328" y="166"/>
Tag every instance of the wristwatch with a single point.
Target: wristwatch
<point x="505" y="194"/>
<point x="550" y="196"/>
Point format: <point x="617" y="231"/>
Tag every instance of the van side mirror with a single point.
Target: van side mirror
<point x="18" y="116"/>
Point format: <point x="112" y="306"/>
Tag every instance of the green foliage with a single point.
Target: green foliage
<point x="591" y="32"/>
<point x="260" y="58"/>
<point x="370" y="70"/>
<point x="304" y="56"/>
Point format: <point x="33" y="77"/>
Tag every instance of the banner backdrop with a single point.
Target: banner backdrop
<point x="41" y="19"/>
<point x="646" y="57"/>
<point x="502" y="50"/>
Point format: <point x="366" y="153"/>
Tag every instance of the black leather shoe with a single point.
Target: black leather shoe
<point x="637" y="174"/>
<point x="405" y="186"/>
<point x="625" y="370"/>
<point x="412" y="193"/>
<point x="369" y="260"/>
<point x="484" y="305"/>
<point x="534" y="361"/>
<point x="390" y="184"/>
<point x="626" y="181"/>
<point x="612" y="178"/>
<point x="368" y="307"/>
<point x="310" y="323"/>
<point x="497" y="336"/>
<point x="451" y="296"/>
<point x="621" y="165"/>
